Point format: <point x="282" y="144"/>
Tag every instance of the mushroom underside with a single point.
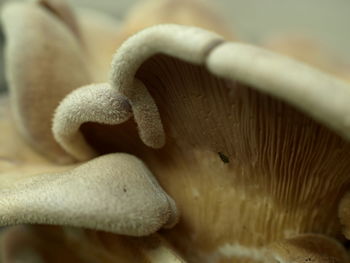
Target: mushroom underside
<point x="246" y="170"/>
<point x="233" y="157"/>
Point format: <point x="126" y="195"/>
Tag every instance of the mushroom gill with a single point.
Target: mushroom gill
<point x="251" y="146"/>
<point x="245" y="159"/>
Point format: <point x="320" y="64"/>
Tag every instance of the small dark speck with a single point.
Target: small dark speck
<point x="223" y="157"/>
<point x="124" y="189"/>
<point x="347" y="244"/>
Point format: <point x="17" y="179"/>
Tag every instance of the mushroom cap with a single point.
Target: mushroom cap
<point x="256" y="143"/>
<point x="114" y="193"/>
<point x="254" y="148"/>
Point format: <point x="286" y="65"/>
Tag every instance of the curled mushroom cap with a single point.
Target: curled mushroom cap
<point x="256" y="144"/>
<point x="19" y="163"/>
<point x="106" y="106"/>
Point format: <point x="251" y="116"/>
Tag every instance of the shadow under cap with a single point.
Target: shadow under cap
<point x="285" y="173"/>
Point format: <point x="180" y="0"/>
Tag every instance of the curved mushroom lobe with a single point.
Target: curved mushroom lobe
<point x="114" y="193"/>
<point x="44" y="62"/>
<point x="242" y="166"/>
<point x="95" y="103"/>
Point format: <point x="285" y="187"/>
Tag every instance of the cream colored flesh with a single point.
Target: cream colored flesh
<point x="243" y="167"/>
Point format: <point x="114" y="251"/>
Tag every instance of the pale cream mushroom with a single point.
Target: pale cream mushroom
<point x="54" y="32"/>
<point x="256" y="145"/>
<point x="18" y="163"/>
<point x="44" y="62"/>
<point x="68" y="53"/>
<point x="114" y="193"/>
<point x="246" y="169"/>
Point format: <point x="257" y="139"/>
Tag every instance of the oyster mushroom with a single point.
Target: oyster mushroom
<point x="252" y="139"/>
<point x="60" y="67"/>
<point x="246" y="169"/>
<point x="25" y="87"/>
<point x="45" y="25"/>
<point x="116" y="193"/>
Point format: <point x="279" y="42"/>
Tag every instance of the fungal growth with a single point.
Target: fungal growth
<point x="103" y="203"/>
<point x="230" y="152"/>
<point x="38" y="89"/>
<point x="94" y="103"/>
<point x="210" y="99"/>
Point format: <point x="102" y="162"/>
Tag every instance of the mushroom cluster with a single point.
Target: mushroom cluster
<point x="183" y="146"/>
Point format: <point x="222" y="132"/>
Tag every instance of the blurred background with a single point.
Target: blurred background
<point x="325" y="23"/>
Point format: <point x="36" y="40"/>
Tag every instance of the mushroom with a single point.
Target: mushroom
<point x="60" y="67"/>
<point x="116" y="194"/>
<point x="65" y="58"/>
<point x="251" y="145"/>
<point x="256" y="143"/>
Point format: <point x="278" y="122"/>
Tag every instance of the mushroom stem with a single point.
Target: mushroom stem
<point x="115" y="193"/>
<point x="308" y="248"/>
<point x="93" y="103"/>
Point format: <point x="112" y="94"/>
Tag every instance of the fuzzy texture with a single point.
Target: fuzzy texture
<point x="146" y="116"/>
<point x="245" y="169"/>
<point x="102" y="104"/>
<point x="195" y="106"/>
<point x="95" y="103"/>
<point x="124" y="66"/>
<point x="274" y="168"/>
<point x="114" y="193"/>
<point x="40" y="76"/>
<point x="165" y="39"/>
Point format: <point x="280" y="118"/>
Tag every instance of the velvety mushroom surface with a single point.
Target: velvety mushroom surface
<point x="227" y="136"/>
<point x="244" y="168"/>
